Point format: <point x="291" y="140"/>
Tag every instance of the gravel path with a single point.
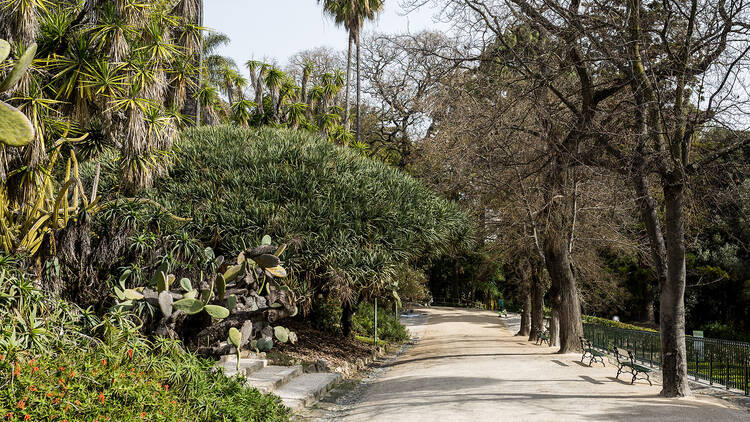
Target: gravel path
<point x="469" y="367"/>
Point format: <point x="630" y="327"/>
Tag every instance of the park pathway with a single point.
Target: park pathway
<point x="469" y="367"/>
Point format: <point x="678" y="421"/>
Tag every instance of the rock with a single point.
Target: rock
<point x="267" y="332"/>
<point x="322" y="365"/>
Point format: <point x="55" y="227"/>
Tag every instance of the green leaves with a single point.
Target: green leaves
<point x="340" y="213"/>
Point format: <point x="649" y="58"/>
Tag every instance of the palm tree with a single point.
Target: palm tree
<point x="352" y="14"/>
<point x="274" y="82"/>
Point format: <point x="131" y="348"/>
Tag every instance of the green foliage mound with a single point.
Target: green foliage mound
<point x="350" y="221"/>
<point x="59" y="362"/>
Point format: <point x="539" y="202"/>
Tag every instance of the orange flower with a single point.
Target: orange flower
<point x="77" y="402"/>
<point x="101" y="397"/>
<point x="26" y="417"/>
<point x="130" y="353"/>
<point x="2" y="357"/>
<point x="34" y="369"/>
<point x="9" y="415"/>
<point x="21" y="405"/>
<point x="104" y="362"/>
<point x="32" y="362"/>
<point x="18" y="369"/>
<point x="72" y="374"/>
<point x="143" y="415"/>
<point x="166" y="387"/>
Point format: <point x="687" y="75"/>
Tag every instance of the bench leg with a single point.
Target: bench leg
<point x="635" y="374"/>
<point x="619" y="371"/>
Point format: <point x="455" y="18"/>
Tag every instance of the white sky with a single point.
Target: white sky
<point x="276" y="29"/>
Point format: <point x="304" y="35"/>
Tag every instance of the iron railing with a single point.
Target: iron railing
<point x="715" y="361"/>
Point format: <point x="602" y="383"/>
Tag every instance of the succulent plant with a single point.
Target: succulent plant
<point x="16" y="129"/>
<point x="264" y="345"/>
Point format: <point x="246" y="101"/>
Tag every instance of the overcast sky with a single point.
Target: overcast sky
<point x="276" y="29"/>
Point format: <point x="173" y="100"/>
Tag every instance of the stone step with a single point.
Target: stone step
<point x="306" y="389"/>
<point x="247" y="366"/>
<point x="270" y="378"/>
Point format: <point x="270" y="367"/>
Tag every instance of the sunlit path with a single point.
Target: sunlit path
<point x="469" y="367"/>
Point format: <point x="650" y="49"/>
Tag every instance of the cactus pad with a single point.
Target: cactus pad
<point x="189" y="306"/>
<point x="4" y="50"/>
<point x="15" y="128"/>
<point x="216" y="311"/>
<point x="20" y="68"/>
<point x="267" y="260"/>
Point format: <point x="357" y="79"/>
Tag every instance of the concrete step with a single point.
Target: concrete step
<point x="247" y="366"/>
<point x="306" y="389"/>
<point x="272" y="377"/>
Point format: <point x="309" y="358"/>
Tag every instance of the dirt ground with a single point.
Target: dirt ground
<point x="469" y="367"/>
<point x="314" y="344"/>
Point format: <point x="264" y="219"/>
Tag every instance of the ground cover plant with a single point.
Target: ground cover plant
<point x="59" y="362"/>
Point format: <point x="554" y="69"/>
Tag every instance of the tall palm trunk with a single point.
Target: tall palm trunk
<point x="359" y="91"/>
<point x="348" y="81"/>
<point x="200" y="64"/>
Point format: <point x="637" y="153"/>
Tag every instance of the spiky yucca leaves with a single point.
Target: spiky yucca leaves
<point x="350" y="221"/>
<point x="97" y="59"/>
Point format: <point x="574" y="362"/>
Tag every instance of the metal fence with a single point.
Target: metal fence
<point x="715" y="361"/>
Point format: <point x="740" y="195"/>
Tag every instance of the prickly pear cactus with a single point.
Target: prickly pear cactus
<point x="15" y="128"/>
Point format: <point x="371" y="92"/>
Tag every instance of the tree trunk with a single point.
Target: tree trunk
<point x="359" y="91"/>
<point x="347" y="312"/>
<point x="672" y="296"/>
<point x="537" y="304"/>
<point x="525" y="313"/>
<point x="200" y="65"/>
<point x="554" y="328"/>
<point x="557" y="256"/>
<point x="348" y="81"/>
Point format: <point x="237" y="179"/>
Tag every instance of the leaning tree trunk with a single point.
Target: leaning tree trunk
<point x="525" y="313"/>
<point x="672" y="296"/>
<point x="348" y="81"/>
<point x="557" y="256"/>
<point x="537" y="304"/>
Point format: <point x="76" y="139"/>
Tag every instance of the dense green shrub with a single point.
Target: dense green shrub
<point x="58" y="362"/>
<point x="389" y="327"/>
<point x="325" y="315"/>
<point x="350" y="221"/>
<point x="615" y="324"/>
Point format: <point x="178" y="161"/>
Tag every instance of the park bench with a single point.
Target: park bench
<point x="542" y="336"/>
<point x="593" y="354"/>
<point x="626" y="364"/>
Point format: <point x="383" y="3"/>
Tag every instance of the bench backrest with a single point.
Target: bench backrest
<point x="621" y="357"/>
